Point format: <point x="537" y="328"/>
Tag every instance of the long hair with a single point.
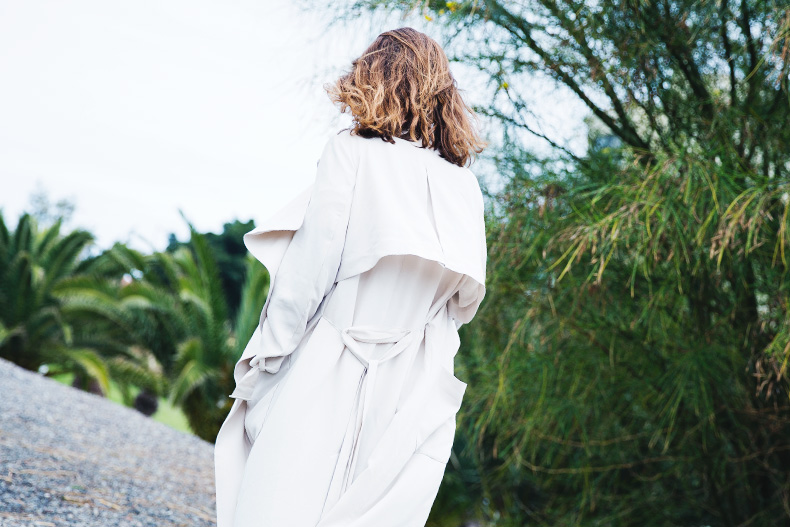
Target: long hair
<point x="401" y="86"/>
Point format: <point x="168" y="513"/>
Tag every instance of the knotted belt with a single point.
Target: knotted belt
<point x="401" y="339"/>
<point x="352" y="337"/>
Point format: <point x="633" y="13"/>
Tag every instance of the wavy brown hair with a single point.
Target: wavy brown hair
<point x="402" y="87"/>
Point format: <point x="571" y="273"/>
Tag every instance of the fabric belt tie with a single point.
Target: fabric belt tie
<point x="352" y="336"/>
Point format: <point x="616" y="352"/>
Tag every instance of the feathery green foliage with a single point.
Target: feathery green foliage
<point x="629" y="363"/>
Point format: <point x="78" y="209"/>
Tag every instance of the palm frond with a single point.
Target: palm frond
<point x="89" y="362"/>
<point x="253" y="296"/>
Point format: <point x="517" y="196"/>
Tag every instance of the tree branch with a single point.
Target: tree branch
<point x="509" y="22"/>
<point x="725" y="39"/>
<point x="681" y="55"/>
<point x="597" y="70"/>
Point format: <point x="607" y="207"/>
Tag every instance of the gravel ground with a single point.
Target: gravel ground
<point x="71" y="458"/>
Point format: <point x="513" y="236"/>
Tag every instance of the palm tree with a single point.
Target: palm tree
<point x="33" y="331"/>
<point x="109" y="312"/>
<point x="156" y="322"/>
<point x="201" y="373"/>
<point x="165" y="328"/>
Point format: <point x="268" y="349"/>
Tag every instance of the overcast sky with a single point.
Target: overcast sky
<point x="134" y="110"/>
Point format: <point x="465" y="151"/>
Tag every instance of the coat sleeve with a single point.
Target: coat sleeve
<point x="310" y="264"/>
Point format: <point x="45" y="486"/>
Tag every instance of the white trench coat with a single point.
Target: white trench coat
<point x="345" y="399"/>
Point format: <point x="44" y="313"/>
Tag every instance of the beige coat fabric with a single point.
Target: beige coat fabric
<point x="346" y="397"/>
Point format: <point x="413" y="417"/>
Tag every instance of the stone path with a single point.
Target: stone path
<point x="70" y="458"/>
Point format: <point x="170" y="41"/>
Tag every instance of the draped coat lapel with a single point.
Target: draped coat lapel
<point x="410" y="456"/>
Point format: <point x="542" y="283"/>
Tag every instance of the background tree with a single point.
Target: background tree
<point x="628" y="366"/>
<point x="230" y="252"/>
<point x="166" y="326"/>
<point x="106" y="312"/>
<point x="46" y="212"/>
<point x="201" y="370"/>
<point x="33" y="329"/>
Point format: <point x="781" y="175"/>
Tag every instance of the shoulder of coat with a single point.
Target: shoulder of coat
<point x="345" y="136"/>
<point x="341" y="144"/>
<point x="473" y="184"/>
<point x="344" y="141"/>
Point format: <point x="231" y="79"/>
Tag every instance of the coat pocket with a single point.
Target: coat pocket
<point x="437" y="428"/>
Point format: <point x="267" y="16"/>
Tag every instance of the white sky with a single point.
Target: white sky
<point x="135" y="109"/>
